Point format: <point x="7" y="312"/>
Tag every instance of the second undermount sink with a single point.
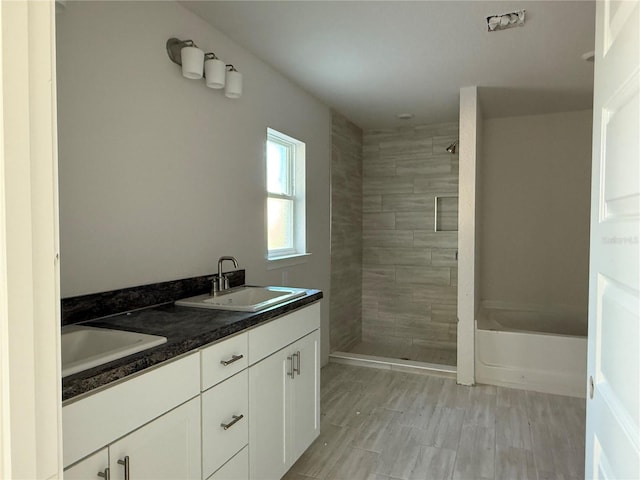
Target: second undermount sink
<point x="244" y="298"/>
<point x="87" y="347"/>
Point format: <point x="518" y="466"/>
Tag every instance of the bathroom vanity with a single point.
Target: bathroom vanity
<point x="230" y="395"/>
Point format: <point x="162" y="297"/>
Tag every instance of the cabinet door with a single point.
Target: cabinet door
<point x="166" y="448"/>
<point x="267" y="407"/>
<point x="89" y="468"/>
<point x="304" y="398"/>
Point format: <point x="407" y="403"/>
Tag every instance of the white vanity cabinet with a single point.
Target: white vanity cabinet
<point x="245" y="407"/>
<point x="284" y="396"/>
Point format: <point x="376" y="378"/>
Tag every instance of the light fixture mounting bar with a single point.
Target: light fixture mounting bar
<point x="505" y="20"/>
<point x="174" y="48"/>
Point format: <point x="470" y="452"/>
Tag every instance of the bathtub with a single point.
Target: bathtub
<point x="544" y="351"/>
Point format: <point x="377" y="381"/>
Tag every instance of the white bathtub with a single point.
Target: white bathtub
<point x="545" y="351"/>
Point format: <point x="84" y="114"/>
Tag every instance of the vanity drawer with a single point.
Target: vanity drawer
<point x="223" y="359"/>
<point x="90" y="423"/>
<point x="276" y="334"/>
<point x="225" y="404"/>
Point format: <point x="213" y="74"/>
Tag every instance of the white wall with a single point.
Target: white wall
<point x="535" y="214"/>
<point x="159" y="175"/>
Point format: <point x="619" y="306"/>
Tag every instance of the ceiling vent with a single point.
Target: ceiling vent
<point x="505" y="20"/>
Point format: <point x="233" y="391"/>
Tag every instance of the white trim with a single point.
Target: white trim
<point x="467" y="274"/>
<point x="275" y="263"/>
<point x="5" y="407"/>
<point x="30" y="313"/>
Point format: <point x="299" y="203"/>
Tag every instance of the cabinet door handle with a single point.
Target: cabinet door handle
<point x="125" y="463"/>
<point x="236" y="419"/>
<point x="291" y="373"/>
<point x="297" y="356"/>
<point x="106" y="474"/>
<point x="234" y="358"/>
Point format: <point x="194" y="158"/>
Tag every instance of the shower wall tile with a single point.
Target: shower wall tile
<point x="379" y="221"/>
<point x="384" y="169"/>
<point x="444" y="313"/>
<point x="441" y="183"/>
<point x="423" y="220"/>
<point x="441" y="257"/>
<point x="408" y="203"/>
<point x="441" y="142"/>
<point x="372" y="203"/>
<point x="435" y="294"/>
<point x="423" y="165"/>
<point x="345" y="308"/>
<point x="409" y="291"/>
<point x="386" y="185"/>
<point x="387" y="238"/>
<point x="396" y="256"/>
<point x="423" y="276"/>
<point x="435" y="239"/>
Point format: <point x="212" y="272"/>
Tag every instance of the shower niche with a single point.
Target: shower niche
<point x="446" y="214"/>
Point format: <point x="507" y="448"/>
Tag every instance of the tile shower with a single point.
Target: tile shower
<point x="409" y="270"/>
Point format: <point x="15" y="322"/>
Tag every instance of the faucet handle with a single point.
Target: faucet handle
<point x="215" y="285"/>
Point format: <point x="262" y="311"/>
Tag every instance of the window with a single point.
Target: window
<point x="285" y="196"/>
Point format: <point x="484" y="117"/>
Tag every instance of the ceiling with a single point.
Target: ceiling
<point x="371" y="60"/>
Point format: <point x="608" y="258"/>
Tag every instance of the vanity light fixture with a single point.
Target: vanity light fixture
<point x="196" y="64"/>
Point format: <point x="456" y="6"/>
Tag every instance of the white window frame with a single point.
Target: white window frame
<point x="296" y="165"/>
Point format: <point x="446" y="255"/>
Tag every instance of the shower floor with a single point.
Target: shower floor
<point x="417" y="354"/>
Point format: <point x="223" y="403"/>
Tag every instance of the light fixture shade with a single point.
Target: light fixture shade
<point x="192" y="62"/>
<point x="215" y="71"/>
<point x="233" y="88"/>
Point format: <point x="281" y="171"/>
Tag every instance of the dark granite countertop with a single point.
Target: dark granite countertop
<point x="186" y="329"/>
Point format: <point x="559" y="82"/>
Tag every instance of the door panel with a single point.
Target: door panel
<point x="305" y="404"/>
<point x="165" y="449"/>
<point x="267" y="408"/>
<point x="613" y="411"/>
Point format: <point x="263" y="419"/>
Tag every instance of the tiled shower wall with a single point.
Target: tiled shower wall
<point x="409" y="270"/>
<point x="346" y="234"/>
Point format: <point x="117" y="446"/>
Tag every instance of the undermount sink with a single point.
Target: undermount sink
<point x="87" y="347"/>
<point x="244" y="298"/>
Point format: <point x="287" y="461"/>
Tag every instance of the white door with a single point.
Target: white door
<point x="613" y="404"/>
<point x="167" y="448"/>
<point x="305" y="395"/>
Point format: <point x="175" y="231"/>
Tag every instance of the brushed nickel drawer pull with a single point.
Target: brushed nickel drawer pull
<point x="106" y="474"/>
<point x="236" y="419"/>
<point x="292" y="373"/>
<point x="234" y="358"/>
<point x="125" y="464"/>
<point x="297" y="356"/>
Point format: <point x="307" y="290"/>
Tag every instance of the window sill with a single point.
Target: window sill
<point x="274" y="263"/>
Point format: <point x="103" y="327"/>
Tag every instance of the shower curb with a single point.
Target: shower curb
<point x="384" y="363"/>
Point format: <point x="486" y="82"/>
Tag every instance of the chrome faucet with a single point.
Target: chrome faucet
<point x="221" y="283"/>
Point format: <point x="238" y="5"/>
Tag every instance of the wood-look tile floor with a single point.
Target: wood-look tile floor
<point x="388" y="425"/>
<point x="441" y="356"/>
